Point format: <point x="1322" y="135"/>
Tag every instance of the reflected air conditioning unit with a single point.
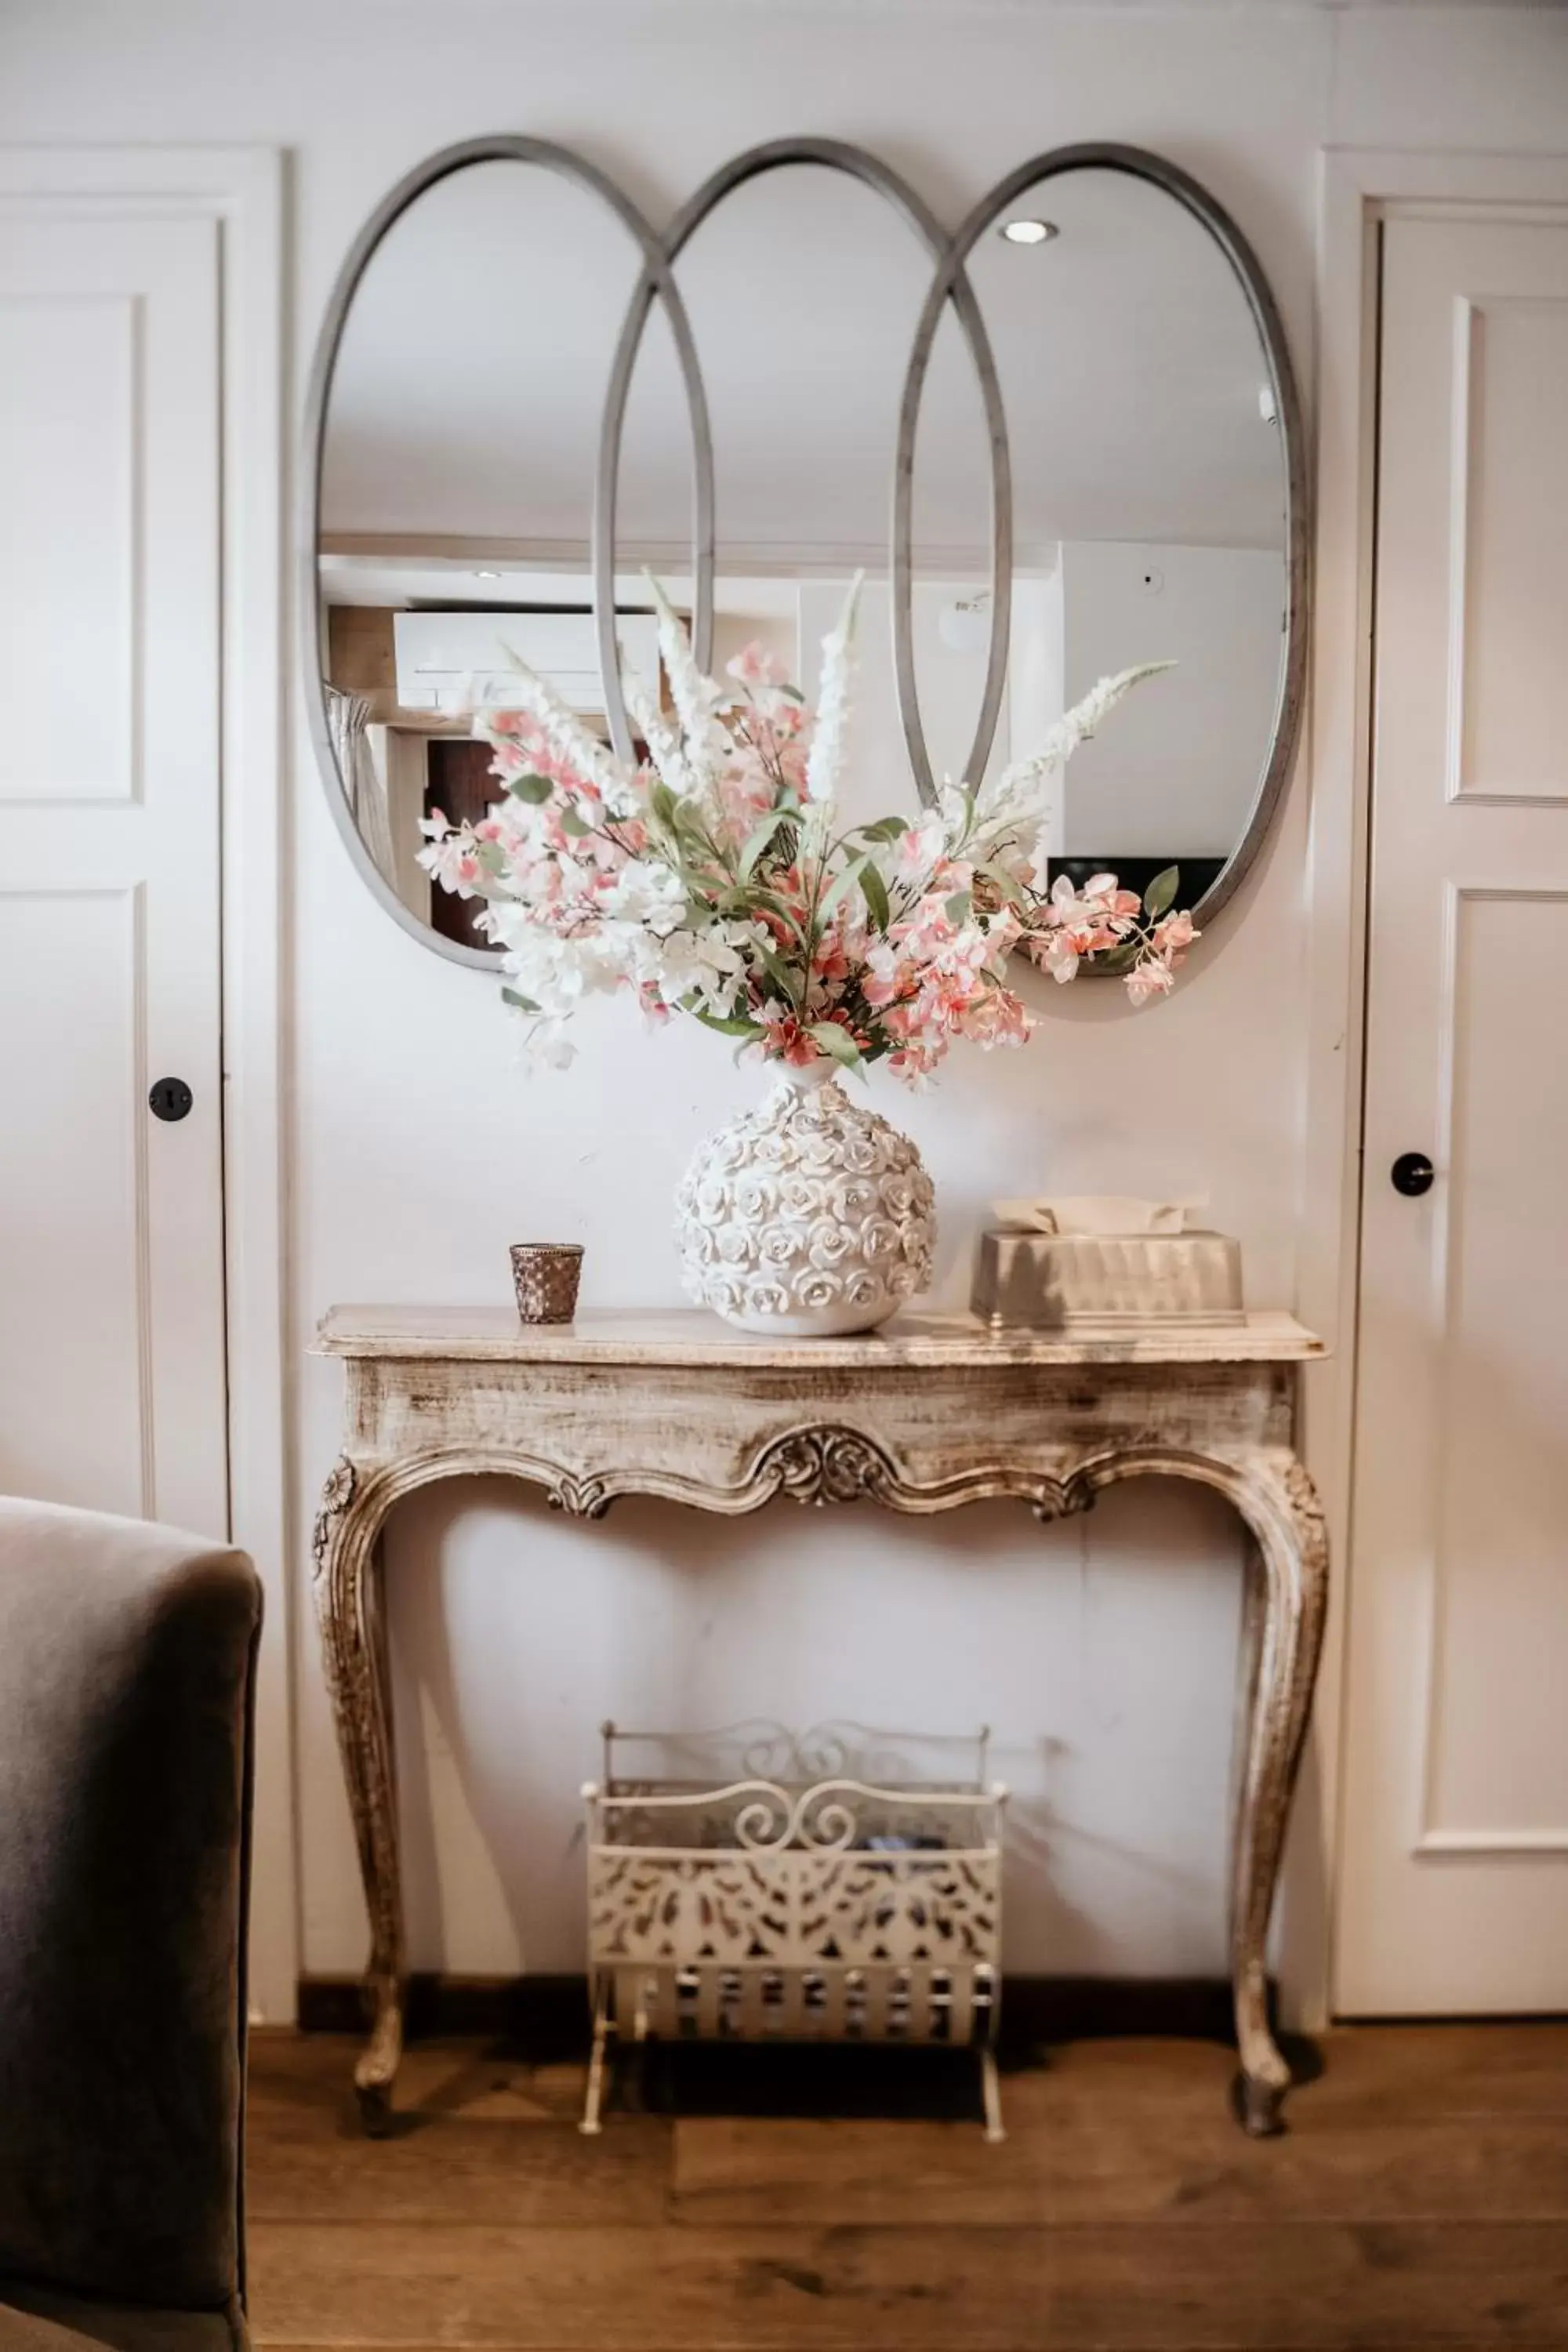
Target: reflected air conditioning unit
<point x="457" y="662"/>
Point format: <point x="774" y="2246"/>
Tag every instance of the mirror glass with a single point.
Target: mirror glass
<point x="1150" y="518"/>
<point x="459" y="448"/>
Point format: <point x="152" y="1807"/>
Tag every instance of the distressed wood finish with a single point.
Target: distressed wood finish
<point x="925" y="1415"/>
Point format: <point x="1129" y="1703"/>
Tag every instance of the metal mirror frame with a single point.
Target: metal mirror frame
<point x="1138" y="162"/>
<point x="496" y="148"/>
<point x="950" y="284"/>
<point x="871" y="171"/>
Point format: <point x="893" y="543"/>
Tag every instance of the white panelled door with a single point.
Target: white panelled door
<point x="1455" y="1894"/>
<point x="112" y="1277"/>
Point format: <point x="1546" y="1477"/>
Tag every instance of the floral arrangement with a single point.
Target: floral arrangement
<point x="714" y="880"/>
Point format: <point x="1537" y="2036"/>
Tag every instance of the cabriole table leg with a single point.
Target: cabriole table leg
<point x="348" y="1580"/>
<point x="1284" y="1620"/>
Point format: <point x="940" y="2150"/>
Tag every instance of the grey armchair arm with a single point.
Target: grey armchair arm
<point x="127" y="1671"/>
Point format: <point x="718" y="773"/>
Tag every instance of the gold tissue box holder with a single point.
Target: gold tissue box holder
<point x="1045" y="1282"/>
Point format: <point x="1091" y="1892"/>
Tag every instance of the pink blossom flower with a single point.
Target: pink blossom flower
<point x="1151" y="976"/>
<point x="786" y="1040"/>
<point x="914" y="1064"/>
<point x="887" y="974"/>
<point x="997" y="1017"/>
<point x="756" y="666"/>
<point x="1173" y="936"/>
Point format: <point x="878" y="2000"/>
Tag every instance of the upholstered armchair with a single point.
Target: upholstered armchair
<point x="127" y="1665"/>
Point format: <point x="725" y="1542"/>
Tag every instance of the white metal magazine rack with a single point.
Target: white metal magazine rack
<point x="818" y="1894"/>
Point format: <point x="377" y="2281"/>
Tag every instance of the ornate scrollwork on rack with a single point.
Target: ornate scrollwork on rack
<point x="836" y="1872"/>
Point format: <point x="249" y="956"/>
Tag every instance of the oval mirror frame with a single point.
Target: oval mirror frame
<point x="1140" y="163"/>
<point x="654" y="279"/>
<point x="950" y="284"/>
<point x="871" y="171"/>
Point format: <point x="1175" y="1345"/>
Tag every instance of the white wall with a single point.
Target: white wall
<point x="1100" y="1650"/>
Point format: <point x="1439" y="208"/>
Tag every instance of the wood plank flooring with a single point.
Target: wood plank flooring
<point x="1419" y="2199"/>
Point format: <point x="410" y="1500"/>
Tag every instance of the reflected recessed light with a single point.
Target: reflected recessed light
<point x="1267" y="406"/>
<point x="1028" y="232"/>
<point x="486" y="575"/>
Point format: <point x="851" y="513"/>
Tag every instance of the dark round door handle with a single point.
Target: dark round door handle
<point x="1412" y="1174"/>
<point x="169" y="1098"/>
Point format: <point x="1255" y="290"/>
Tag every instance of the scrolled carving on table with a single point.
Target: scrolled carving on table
<point x="336" y="1495"/>
<point x="828" y="1465"/>
<point x="1307" y="1510"/>
<point x="579" y="1498"/>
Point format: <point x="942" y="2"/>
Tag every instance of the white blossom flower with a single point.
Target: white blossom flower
<point x="644" y="891"/>
<point x="825" y="766"/>
<point x="697" y="699"/>
<point x="700" y="965"/>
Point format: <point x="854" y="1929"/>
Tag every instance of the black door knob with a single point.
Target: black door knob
<point x="1412" y="1174"/>
<point x="169" y="1098"/>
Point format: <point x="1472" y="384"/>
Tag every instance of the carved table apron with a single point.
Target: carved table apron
<point x="923" y="1415"/>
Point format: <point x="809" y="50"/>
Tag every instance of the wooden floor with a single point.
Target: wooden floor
<point x="1419" y="2199"/>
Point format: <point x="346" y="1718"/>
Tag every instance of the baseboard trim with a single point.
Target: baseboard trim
<point x="548" y="2015"/>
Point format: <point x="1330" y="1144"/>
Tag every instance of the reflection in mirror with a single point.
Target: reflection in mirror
<point x="460" y="440"/>
<point x="803" y="286"/>
<point x="1150" y="516"/>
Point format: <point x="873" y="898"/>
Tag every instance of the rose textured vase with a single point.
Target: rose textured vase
<point x="807" y="1216"/>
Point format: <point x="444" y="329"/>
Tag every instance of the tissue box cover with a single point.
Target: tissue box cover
<point x="1043" y="1282"/>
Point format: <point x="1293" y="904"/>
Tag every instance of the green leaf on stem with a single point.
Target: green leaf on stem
<point x="725" y="1024"/>
<point x="1121" y="959"/>
<point x="1160" y="895"/>
<point x="768" y="902"/>
<point x="1001" y="880"/>
<point x="776" y="971"/>
<point x="957" y="908"/>
<point x="835" y="1043"/>
<point x="515" y="997"/>
<point x="530" y="787"/>
<point x="758" y="840"/>
<point x="842" y="883"/>
<point x="874" y="890"/>
<point x="886" y="828"/>
<point x="492" y="856"/>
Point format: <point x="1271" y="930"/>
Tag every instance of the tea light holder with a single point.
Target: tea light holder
<point x="545" y="1276"/>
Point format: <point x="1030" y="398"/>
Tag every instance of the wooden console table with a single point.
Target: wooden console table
<point x="922" y="1416"/>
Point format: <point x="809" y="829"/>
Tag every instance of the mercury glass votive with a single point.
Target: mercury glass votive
<point x="546" y="1274"/>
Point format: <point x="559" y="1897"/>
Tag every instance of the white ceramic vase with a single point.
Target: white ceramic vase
<point x="809" y="1216"/>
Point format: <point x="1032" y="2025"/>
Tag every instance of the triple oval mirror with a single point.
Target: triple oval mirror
<point x="1065" y="439"/>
